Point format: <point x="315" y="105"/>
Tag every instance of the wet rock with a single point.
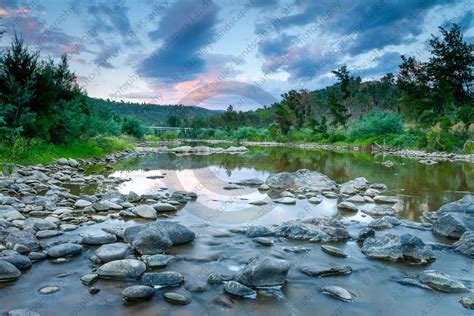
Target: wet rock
<point x="338" y="292"/>
<point x="93" y="290"/>
<point x="144" y="211"/>
<point x="264" y="187"/>
<point x="465" y="244"/>
<point x="89" y="279"/>
<point x="264" y="241"/>
<point x="263" y="272"/>
<point x="164" y="207"/>
<point x="258" y="231"/>
<point x="49" y="290"/>
<point x="297" y="249"/>
<point x="22" y="312"/>
<point x="37" y="256"/>
<point x="99" y="238"/>
<point x="21" y="249"/>
<point x="167" y="278"/>
<point x="223" y="301"/>
<point x="354" y="186"/>
<point x="68" y="227"/>
<point x="467" y="301"/>
<point x="356" y="199"/>
<point x="19" y="261"/>
<point x="122" y="269"/>
<point x="462" y="206"/>
<point x="106" y="205"/>
<point x="115" y="251"/>
<point x="451" y="225"/>
<point x="322" y="228"/>
<point x="404" y="248"/>
<point x="384" y="222"/>
<point x="48" y="234"/>
<point x="302" y="178"/>
<point x="380" y="210"/>
<point x="64" y="250"/>
<point x="285" y="200"/>
<point x="441" y="282"/>
<point x="215" y="278"/>
<point x="82" y="204"/>
<point x="137" y="292"/>
<point x="9" y="213"/>
<point x="133" y="197"/>
<point x="177" y="298"/>
<point x="372" y="192"/>
<point x="250" y="182"/>
<point x="152" y="241"/>
<point x="385" y="199"/>
<point x="37" y="224"/>
<point x="331" y="271"/>
<point x="330" y="195"/>
<point x="365" y="233"/>
<point x="333" y="251"/>
<point x="8" y="272"/>
<point x="159" y="261"/>
<point x="347" y="206"/>
<point x="239" y="290"/>
<point x="315" y="200"/>
<point x="232" y="187"/>
<point x="258" y="203"/>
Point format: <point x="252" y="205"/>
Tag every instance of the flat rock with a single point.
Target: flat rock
<point x="302" y="178"/>
<point x="89" y="279"/>
<point x="441" y="282"/>
<point x="323" y="228"/>
<point x="333" y="251"/>
<point x="285" y="200"/>
<point x="347" y="206"/>
<point x="114" y="251"/>
<point x="99" y="238"/>
<point x="48" y="234"/>
<point x="404" y="248"/>
<point x="250" y="182"/>
<point x="239" y="290"/>
<point x="380" y="210"/>
<point x="159" y="261"/>
<point x="321" y="271"/>
<point x="137" y="292"/>
<point x="338" y="292"/>
<point x="177" y="298"/>
<point x="64" y="250"/>
<point x="167" y="278"/>
<point x="384" y="199"/>
<point x="122" y="269"/>
<point x="264" y="241"/>
<point x="49" y="290"/>
<point x="144" y="211"/>
<point x="263" y="272"/>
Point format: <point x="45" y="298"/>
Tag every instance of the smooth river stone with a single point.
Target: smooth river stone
<point x="333" y="251"/>
<point x="122" y="269"/>
<point x="237" y="289"/>
<point x="114" y="251"/>
<point x="138" y="292"/>
<point x="177" y="298"/>
<point x="338" y="292"/>
<point x="63" y="250"/>
<point x="8" y="272"/>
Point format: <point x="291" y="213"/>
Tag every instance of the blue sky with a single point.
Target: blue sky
<point x="162" y="51"/>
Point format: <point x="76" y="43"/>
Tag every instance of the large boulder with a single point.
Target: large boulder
<point x="404" y="248"/>
<point x="115" y="251"/>
<point x="463" y="206"/>
<point x="450" y="226"/>
<point x="453" y="219"/>
<point x="177" y="233"/>
<point x="302" y="178"/>
<point x="354" y="186"/>
<point x="9" y="213"/>
<point x="122" y="269"/>
<point x="263" y="272"/>
<point x="151" y="241"/>
<point x="465" y="244"/>
<point x="14" y="237"/>
<point x="37" y="224"/>
<point x="63" y="250"/>
<point x="322" y="228"/>
<point x="144" y="211"/>
<point x="441" y="282"/>
<point x="8" y="272"/>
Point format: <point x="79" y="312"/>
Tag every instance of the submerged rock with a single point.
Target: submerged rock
<point x="333" y="251"/>
<point x="441" y="282"/>
<point x="385" y="199"/>
<point x="177" y="298"/>
<point x="338" y="292"/>
<point x="99" y="239"/>
<point x="404" y="248"/>
<point x="319" y="271"/>
<point x="122" y="269"/>
<point x="263" y="272"/>
<point x="236" y="289"/>
<point x="380" y="210"/>
<point x="467" y="301"/>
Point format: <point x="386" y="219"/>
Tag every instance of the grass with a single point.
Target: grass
<point x="29" y="152"/>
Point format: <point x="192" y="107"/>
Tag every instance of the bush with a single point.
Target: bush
<point x="133" y="127"/>
<point x="377" y="123"/>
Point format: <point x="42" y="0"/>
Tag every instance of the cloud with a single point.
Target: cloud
<point x="264" y="3"/>
<point x="106" y="53"/>
<point x="184" y="30"/>
<point x="378" y="65"/>
<point x="109" y="17"/>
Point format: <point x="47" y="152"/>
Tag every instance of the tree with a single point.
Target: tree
<point x="173" y="121"/>
<point x="388" y="79"/>
<point x="284" y="117"/>
<point x="342" y="74"/>
<point x="338" y="111"/>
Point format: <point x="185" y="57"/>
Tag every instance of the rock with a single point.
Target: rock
<point x="315" y="200"/>
<point x="89" y="279"/>
<point x="82" y="204"/>
<point x="22" y="237"/>
<point x="9" y="213"/>
<point x="167" y="278"/>
<point x="106" y="205"/>
<point x="463" y="206"/>
<point x="164" y="207"/>
<point x="215" y="278"/>
<point x="48" y="234"/>
<point x="333" y="251"/>
<point x="8" y="272"/>
<point x="250" y="182"/>
<point x="302" y="178"/>
<point x="365" y="233"/>
<point x="356" y="199"/>
<point x="404" y="248"/>
<point x="450" y="225"/>
<point x="177" y="298"/>
<point x="37" y="256"/>
<point x="264" y="241"/>
<point x="372" y="192"/>
<point x="258" y="203"/>
<point x="21" y="249"/>
<point x="49" y="290"/>
<point x="263" y="272"/>
<point x="297" y="249"/>
<point x="385" y="199"/>
<point x="465" y="244"/>
<point x="381" y="210"/>
<point x="236" y="289"/>
<point x="64" y="250"/>
<point x="178" y="233"/>
<point x="159" y="261"/>
<point x="347" y="206"/>
<point x="264" y="187"/>
<point x="122" y="269"/>
<point x="115" y="251"/>
<point x="37" y="224"/>
<point x="144" y="211"/>
<point x="62" y="162"/>
<point x="324" y="228"/>
<point x="441" y="282"/>
<point x="19" y="261"/>
<point x="467" y="301"/>
<point x="318" y="271"/>
<point x="152" y="241"/>
<point x="93" y="290"/>
<point x="99" y="239"/>
<point x="258" y="231"/>
<point x="338" y="292"/>
<point x="384" y="222"/>
<point x="330" y="195"/>
<point x="68" y="227"/>
<point x="388" y="163"/>
<point x="354" y="186"/>
<point x="22" y="312"/>
<point x="287" y="194"/>
<point x="223" y="301"/>
<point x="73" y="163"/>
<point x="137" y="292"/>
<point x="232" y="187"/>
<point x="133" y="197"/>
<point x="285" y="200"/>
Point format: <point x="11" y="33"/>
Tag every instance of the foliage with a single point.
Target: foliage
<point x="376" y="123"/>
<point x="133" y="127"/>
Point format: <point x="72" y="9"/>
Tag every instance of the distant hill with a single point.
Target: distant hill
<point x="154" y="114"/>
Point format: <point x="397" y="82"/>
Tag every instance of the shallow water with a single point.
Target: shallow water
<point x="418" y="186"/>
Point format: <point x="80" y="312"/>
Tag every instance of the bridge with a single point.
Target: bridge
<point x="161" y="129"/>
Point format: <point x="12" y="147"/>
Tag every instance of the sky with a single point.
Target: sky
<point x="215" y="53"/>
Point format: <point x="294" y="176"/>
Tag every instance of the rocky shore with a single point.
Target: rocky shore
<point x="39" y="214"/>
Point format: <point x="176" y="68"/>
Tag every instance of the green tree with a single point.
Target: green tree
<point x="338" y="108"/>
<point x="173" y="121"/>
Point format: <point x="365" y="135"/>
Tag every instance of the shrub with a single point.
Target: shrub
<point x="133" y="127"/>
<point x="377" y="123"/>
